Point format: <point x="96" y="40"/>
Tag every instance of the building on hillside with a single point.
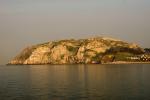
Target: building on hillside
<point x="145" y="57"/>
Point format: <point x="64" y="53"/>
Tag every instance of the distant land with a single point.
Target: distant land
<point x="97" y="50"/>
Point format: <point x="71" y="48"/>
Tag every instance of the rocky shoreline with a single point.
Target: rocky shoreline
<point x="109" y="63"/>
<point x="98" y="50"/>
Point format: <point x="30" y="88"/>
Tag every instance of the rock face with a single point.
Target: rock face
<point x="92" y="50"/>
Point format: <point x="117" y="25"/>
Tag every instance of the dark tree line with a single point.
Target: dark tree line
<point x="147" y="50"/>
<point x="124" y="49"/>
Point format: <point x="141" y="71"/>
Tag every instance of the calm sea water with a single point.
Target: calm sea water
<point x="75" y="82"/>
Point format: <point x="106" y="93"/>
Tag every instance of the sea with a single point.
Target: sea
<point x="75" y="82"/>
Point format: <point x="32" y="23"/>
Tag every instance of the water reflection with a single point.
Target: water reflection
<point x="81" y="82"/>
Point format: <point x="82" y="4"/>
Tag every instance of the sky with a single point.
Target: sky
<point x="28" y="22"/>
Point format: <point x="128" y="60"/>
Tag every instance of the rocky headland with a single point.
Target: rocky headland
<point x="96" y="50"/>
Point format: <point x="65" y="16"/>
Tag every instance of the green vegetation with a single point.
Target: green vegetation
<point x="147" y="50"/>
<point x="43" y="44"/>
<point x="97" y="58"/>
<point x="83" y="41"/>
<point x="72" y="49"/>
<point x="62" y="56"/>
<point x="122" y="56"/>
<point x="108" y="58"/>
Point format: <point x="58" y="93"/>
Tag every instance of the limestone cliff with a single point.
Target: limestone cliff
<point x="92" y="50"/>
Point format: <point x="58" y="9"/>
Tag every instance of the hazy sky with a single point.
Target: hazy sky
<point x="27" y="22"/>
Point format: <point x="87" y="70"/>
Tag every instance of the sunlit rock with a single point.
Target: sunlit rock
<point x="92" y="50"/>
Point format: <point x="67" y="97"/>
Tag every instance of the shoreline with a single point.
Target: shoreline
<point x="124" y="62"/>
<point x="109" y="63"/>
